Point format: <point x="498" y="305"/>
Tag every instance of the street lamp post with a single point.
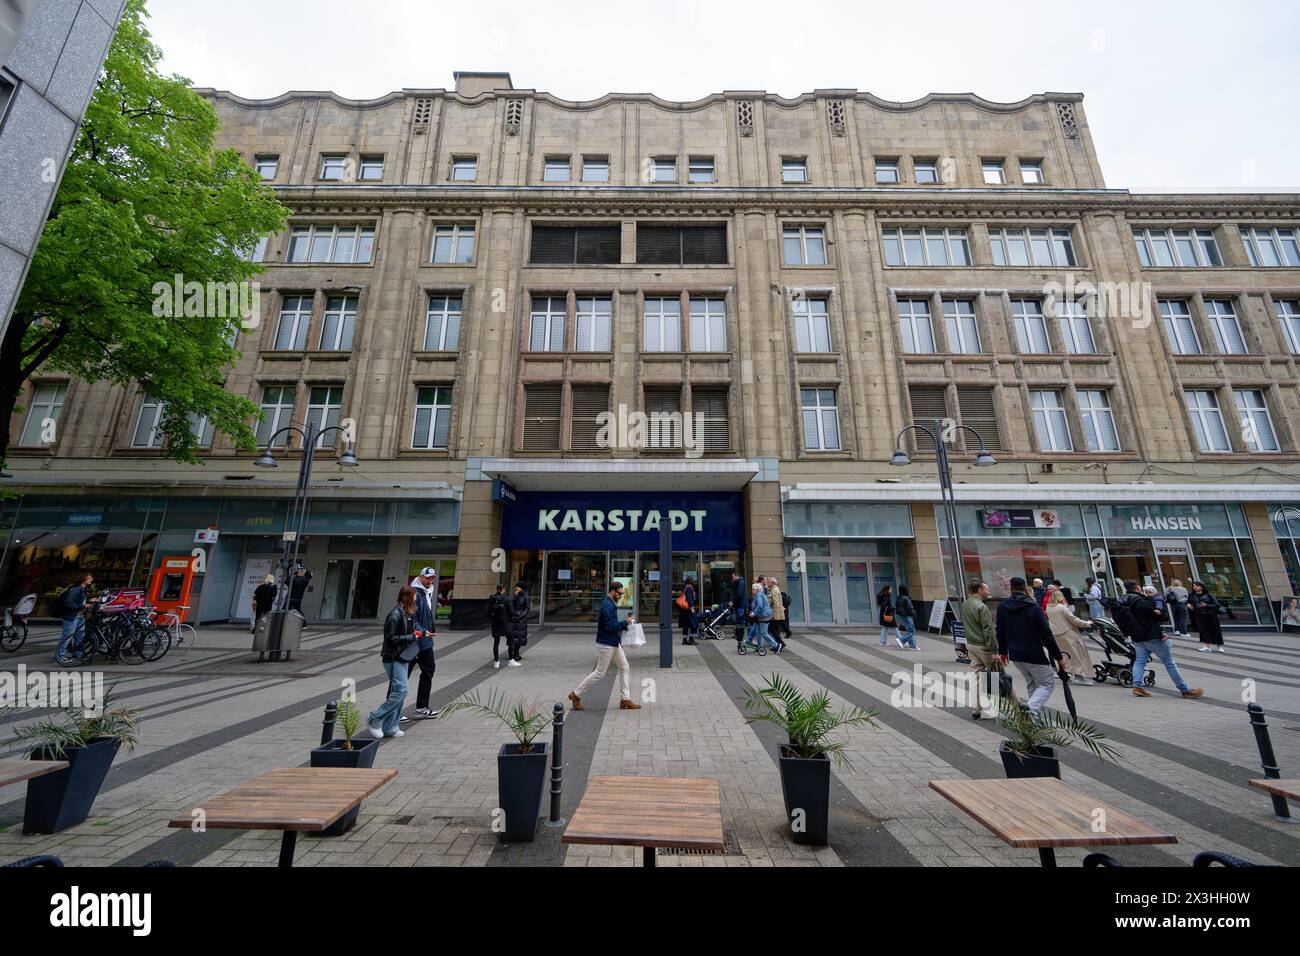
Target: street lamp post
<point x="982" y="460"/>
<point x="296" y="519"/>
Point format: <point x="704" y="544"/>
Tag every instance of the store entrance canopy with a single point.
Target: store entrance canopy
<point x="585" y="474"/>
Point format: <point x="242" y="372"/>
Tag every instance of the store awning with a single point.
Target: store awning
<point x="607" y="474"/>
<point x="1046" y="493"/>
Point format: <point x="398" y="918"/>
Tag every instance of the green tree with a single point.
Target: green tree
<point x="145" y="199"/>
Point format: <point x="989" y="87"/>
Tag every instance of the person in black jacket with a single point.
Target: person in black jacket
<point x="298" y="589"/>
<point x="498" y="614"/>
<point x="1205" y="612"/>
<point x="1140" y="620"/>
<point x="517" y="628"/>
<point x="398" y="650"/>
<point x="1025" y="638"/>
<point x="73" y="601"/>
<point x="263" y="599"/>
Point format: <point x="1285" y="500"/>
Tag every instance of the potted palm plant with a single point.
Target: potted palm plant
<point x="346" y="752"/>
<point x="1030" y="750"/>
<point x="521" y="766"/>
<point x="805" y="762"/>
<point x="88" y="742"/>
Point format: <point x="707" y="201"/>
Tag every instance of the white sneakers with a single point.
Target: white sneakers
<point x="899" y="642"/>
<point x="496" y="665"/>
<point x="516" y="664"/>
<point x="376" y="732"/>
<point x="399" y="733"/>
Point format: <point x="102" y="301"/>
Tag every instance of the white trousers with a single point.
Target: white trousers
<point x="605" y="653"/>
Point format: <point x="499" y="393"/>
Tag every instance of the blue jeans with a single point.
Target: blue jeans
<point x="74" y="631"/>
<point x="389" y="712"/>
<point x="908" y="627"/>
<point x="1162" y="651"/>
<point x="886" y="628"/>
<point x="758" y="629"/>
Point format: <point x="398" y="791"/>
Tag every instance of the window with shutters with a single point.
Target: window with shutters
<point x="589" y="402"/>
<point x="681" y="245"/>
<point x="663" y="409"/>
<point x="710" y="419"/>
<point x="929" y="404"/>
<point x="542" y="417"/>
<point x="978" y="411"/>
<point x="576" y="245"/>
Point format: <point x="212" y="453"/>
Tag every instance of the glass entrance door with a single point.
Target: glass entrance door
<point x="859" y="598"/>
<point x="576" y="582"/>
<point x="365" y="592"/>
<point x="338" y="585"/>
<point x="352" y="589"/>
<point x="1174" y="559"/>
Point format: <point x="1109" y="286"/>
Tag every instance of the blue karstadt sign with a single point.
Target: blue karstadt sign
<point x="618" y="521"/>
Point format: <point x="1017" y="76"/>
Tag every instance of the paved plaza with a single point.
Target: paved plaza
<point x="216" y="718"/>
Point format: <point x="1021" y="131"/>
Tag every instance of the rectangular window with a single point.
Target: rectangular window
<point x="994" y="171"/>
<point x="334" y="167"/>
<point x="1076" y="331"/>
<point x="663" y="407"/>
<point x="258" y="252"/>
<point x="1050" y="422"/>
<point x="587" y="404"/>
<point x="324" y="403"/>
<point x="542" y="417"/>
<point x="1038" y="247"/>
<point x="338" y="324"/>
<point x="963" y="330"/>
<point x="576" y="245"/>
<point x="708" y="325"/>
<point x="453" y="243"/>
<point x="464" y="168"/>
<point x="277" y="412"/>
<point x="325" y="243"/>
<point x="1288" y="313"/>
<point x="803" y="245"/>
<point x="1270" y="248"/>
<point x="593" y="323"/>
<point x="267" y="165"/>
<point x="663" y="325"/>
<point x="293" y="322"/>
<point x="812" y="325"/>
<point x="432" y="417"/>
<point x="915" y="326"/>
<point x="1176" y="315"/>
<point x="701" y="170"/>
<point x="1256" y="425"/>
<point x="147" y="433"/>
<point x="1031" y="327"/>
<point x="681" y="245"/>
<point x="1183" y="248"/>
<point x="929" y="246"/>
<point x="1207" y="421"/>
<point x="1227" y="330"/>
<point x="794" y="169"/>
<point x="887" y="172"/>
<point x="821" y="419"/>
<point x="556" y="169"/>
<point x="1098" y="421"/>
<point x="978" y="411"/>
<point x="710" y="419"/>
<point x="929" y="404"/>
<point x="1031" y="172"/>
<point x="926" y="171"/>
<point x="372" y="167"/>
<point x="595" y="169"/>
<point x="546" y="323"/>
<point x="442" y="323"/>
<point x="663" y="169"/>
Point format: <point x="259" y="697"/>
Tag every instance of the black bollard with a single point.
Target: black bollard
<point x="1266" y="757"/>
<point x="557" y="767"/>
<point x="327" y="725"/>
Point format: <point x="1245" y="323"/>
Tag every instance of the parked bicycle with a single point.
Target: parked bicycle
<point x="13" y="632"/>
<point x="180" y="635"/>
<point x="125" y="635"/>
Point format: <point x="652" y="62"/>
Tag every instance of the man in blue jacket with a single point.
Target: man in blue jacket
<point x="609" y="646"/>
<point x="425" y="600"/>
<point x="74" y="625"/>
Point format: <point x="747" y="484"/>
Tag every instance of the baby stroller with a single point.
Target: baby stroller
<point x="713" y="621"/>
<point x="1112" y="641"/>
<point x="13" y="632"/>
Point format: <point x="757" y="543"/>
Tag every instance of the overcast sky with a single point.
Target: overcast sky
<point x="1181" y="96"/>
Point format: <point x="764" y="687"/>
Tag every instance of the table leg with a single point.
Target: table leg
<point x="648" y="856"/>
<point x="287" y="845"/>
<point x="1047" y="856"/>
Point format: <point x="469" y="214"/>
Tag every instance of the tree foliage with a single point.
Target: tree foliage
<point x="145" y="198"/>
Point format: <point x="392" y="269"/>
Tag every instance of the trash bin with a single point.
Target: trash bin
<point x="280" y="632"/>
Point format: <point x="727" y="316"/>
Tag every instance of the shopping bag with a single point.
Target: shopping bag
<point x="634" y="636"/>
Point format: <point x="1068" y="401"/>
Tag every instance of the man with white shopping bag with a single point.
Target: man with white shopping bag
<point x="609" y="646"/>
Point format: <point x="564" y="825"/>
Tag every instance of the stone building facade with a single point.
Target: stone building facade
<point x="472" y="277"/>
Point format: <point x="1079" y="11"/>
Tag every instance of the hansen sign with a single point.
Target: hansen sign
<point x="615" y="521"/>
<point x="1164" y="522"/>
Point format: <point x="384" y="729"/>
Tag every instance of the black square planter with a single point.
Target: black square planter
<point x="1042" y="763"/>
<point x="806" y="787"/>
<point x="60" y="800"/>
<point x="332" y="754"/>
<point x="520" y="778"/>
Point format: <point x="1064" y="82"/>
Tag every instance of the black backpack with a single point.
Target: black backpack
<point x="1125" y="618"/>
<point x="785" y="599"/>
<point x="57" y="606"/>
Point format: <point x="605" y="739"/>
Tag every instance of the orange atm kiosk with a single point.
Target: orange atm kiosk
<point x="169" y="589"/>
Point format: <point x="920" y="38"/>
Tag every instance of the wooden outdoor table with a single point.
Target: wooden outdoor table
<point x="16" y="771"/>
<point x="1281" y="791"/>
<point x="290" y="799"/>
<point x="649" y="812"/>
<point x="1042" y="812"/>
